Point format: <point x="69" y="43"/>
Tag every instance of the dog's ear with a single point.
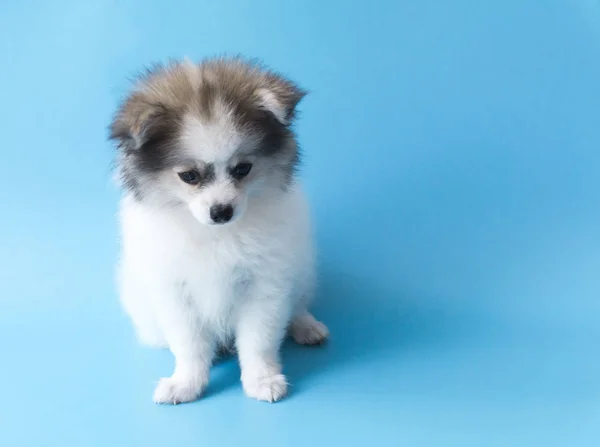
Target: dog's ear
<point x="280" y="97"/>
<point x="138" y="122"/>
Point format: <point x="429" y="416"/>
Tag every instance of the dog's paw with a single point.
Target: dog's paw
<point x="306" y="330"/>
<point x="267" y="388"/>
<point x="176" y="391"/>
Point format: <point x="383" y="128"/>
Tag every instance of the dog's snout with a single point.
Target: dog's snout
<point x="221" y="213"/>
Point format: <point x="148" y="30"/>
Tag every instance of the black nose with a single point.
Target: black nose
<point x="221" y="213"/>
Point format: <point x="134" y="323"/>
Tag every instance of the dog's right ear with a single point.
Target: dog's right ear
<point x="137" y="122"/>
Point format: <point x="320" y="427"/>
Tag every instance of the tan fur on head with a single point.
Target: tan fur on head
<point x="185" y="87"/>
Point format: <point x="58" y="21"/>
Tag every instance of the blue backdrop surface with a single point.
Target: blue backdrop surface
<point x="452" y="157"/>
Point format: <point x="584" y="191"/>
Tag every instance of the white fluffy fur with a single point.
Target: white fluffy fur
<point x="191" y="287"/>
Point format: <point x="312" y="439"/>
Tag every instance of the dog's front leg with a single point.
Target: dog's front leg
<point x="260" y="331"/>
<point x="192" y="346"/>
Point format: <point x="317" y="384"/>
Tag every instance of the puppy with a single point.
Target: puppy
<point x="216" y="240"/>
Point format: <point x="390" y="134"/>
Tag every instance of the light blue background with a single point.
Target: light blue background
<point x="452" y="155"/>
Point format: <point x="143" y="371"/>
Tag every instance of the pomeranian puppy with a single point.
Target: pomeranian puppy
<point x="216" y="240"/>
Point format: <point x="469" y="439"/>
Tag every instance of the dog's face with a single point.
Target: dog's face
<point x="207" y="136"/>
<point x="215" y="165"/>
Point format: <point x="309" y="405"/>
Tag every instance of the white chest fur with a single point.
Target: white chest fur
<point x="213" y="269"/>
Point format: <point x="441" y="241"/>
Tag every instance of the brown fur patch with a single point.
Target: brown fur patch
<point x="182" y="87"/>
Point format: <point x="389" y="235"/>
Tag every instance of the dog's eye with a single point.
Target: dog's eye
<point x="241" y="170"/>
<point x="190" y="177"/>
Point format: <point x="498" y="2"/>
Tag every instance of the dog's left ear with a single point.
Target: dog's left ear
<point x="280" y="97"/>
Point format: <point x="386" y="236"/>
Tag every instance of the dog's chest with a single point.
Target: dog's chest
<point x="217" y="275"/>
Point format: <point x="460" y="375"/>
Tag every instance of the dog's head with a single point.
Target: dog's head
<point x="207" y="136"/>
